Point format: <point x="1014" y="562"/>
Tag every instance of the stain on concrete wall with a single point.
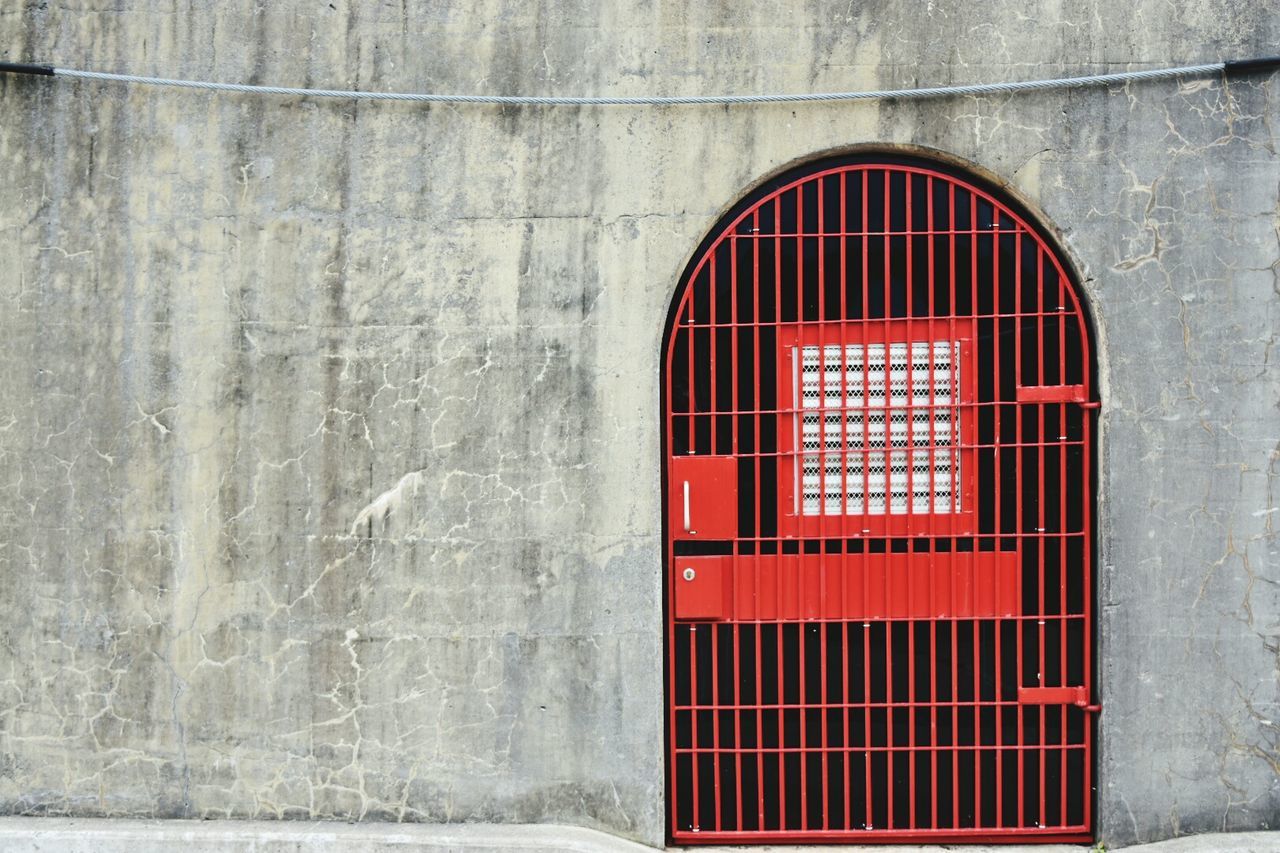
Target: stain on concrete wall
<point x="329" y="431"/>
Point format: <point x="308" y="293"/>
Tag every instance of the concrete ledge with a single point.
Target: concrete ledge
<point x="1230" y="842"/>
<point x="92" y="835"/>
<point x="76" y="835"/>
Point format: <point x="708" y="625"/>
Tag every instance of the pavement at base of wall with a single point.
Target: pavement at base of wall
<point x="89" y="835"/>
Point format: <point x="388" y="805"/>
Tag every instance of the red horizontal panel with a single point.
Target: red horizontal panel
<point x="788" y="587"/>
<point x="1052" y="394"/>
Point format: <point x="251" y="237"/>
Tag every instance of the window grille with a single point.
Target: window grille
<point x="851" y="464"/>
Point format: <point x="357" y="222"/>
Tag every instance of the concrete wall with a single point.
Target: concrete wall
<point x="329" y="431"/>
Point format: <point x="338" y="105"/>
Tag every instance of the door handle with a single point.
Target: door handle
<point x="687" y="523"/>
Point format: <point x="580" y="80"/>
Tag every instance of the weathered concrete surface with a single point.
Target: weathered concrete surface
<point x="329" y="432"/>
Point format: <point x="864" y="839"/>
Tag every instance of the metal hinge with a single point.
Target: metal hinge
<point x="1077" y="394"/>
<point x="1078" y="696"/>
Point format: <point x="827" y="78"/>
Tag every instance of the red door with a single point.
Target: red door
<point x="878" y="440"/>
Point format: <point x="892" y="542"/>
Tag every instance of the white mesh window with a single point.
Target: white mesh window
<point x="877" y="440"/>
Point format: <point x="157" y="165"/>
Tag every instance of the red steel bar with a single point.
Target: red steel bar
<point x="822" y="371"/>
<point x="777" y="312"/>
<point x="953" y="716"/>
<point x="934" y="446"/>
<point x="799" y="576"/>
<point x="739" y="792"/>
<point x="759" y="507"/>
<point x="846" y="766"/>
<point x="886" y="282"/>
<point x="976" y="634"/>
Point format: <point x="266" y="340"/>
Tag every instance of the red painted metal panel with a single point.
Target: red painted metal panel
<point x="877" y="388"/>
<point x="704" y="497"/>
<point x="787" y="587"/>
<point x="703" y="589"/>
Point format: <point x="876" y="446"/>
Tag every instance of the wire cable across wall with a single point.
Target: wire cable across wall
<point x="1242" y="66"/>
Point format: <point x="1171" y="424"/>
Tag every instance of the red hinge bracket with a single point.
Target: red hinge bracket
<point x="1078" y="696"/>
<point x="1055" y="394"/>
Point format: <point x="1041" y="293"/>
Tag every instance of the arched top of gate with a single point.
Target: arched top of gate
<point x="1006" y="215"/>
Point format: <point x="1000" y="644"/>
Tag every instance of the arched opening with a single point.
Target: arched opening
<point x="878" y="445"/>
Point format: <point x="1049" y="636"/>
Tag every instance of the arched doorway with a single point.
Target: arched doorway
<point x="878" y="448"/>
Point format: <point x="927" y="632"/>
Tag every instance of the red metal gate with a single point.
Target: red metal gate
<point x="878" y="477"/>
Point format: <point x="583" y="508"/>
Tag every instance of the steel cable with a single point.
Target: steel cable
<point x="676" y="100"/>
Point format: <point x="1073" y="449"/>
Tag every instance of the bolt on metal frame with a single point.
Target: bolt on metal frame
<point x="879" y="622"/>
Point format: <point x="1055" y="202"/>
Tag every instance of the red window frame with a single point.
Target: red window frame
<point x="791" y="339"/>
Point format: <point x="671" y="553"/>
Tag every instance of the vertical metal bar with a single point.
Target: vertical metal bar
<point x="822" y="517"/>
<point x="800" y="558"/>
<point x="847" y="765"/>
<point x="673" y="773"/>
<point x="996" y="310"/>
<point x="778" y="562"/>
<point x="781" y="704"/>
<point x="733" y="342"/>
<point x="888" y="373"/>
<point x="866" y="502"/>
<point x="1019" y="521"/>
<point x="975" y="553"/>
<point x="868" y="790"/>
<point x="865" y="449"/>
<point x="908" y="238"/>
<point x="715" y="720"/>
<point x="695" y="753"/>
<point x="843" y="326"/>
<point x="797" y="427"/>
<point x="758" y="446"/>
<point x="736" y="560"/>
<point x="933" y="717"/>
<point x="1042" y="548"/>
<point x="1062" y="554"/>
<point x="693" y="393"/>
<point x="956" y="442"/>
<point x="889" y="708"/>
<point x="890" y="526"/>
<point x="713" y="330"/>
<point x="736" y="629"/>
<point x="933" y="504"/>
